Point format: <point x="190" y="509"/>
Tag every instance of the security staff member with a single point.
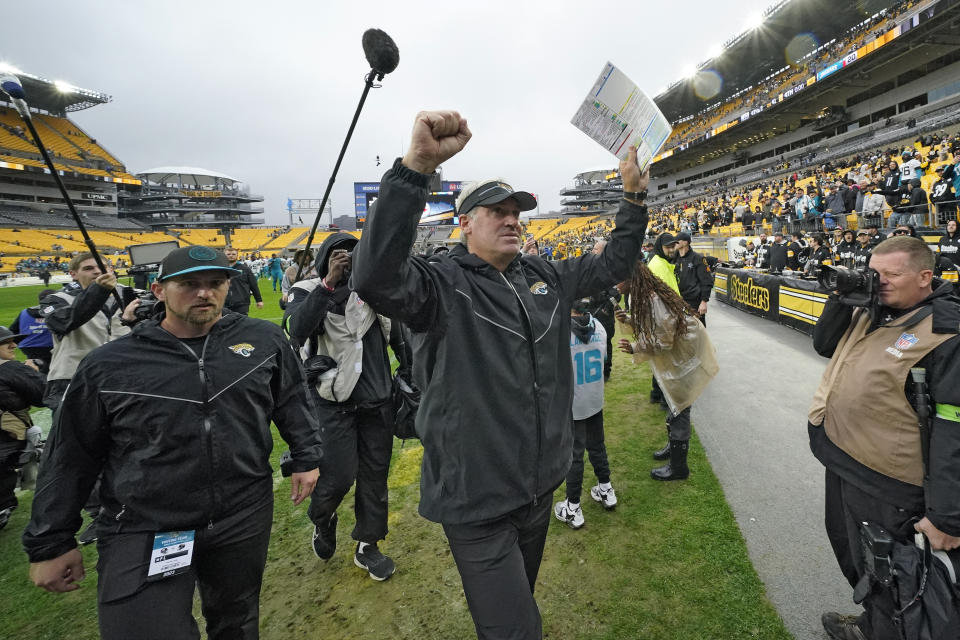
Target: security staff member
<point x="778" y="254"/>
<point x="177" y="418"/>
<point x="693" y="276"/>
<point x="863" y="427"/>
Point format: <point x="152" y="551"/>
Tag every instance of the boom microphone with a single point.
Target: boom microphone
<point x="381" y="52"/>
<point x="10" y="84"/>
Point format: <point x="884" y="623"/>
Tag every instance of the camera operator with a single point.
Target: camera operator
<point x="177" y="418"/>
<point x="491" y="339"/>
<point x="352" y="399"/>
<point x="21" y="386"/>
<point x="864" y="430"/>
<point x="243" y="284"/>
<point x="82" y="316"/>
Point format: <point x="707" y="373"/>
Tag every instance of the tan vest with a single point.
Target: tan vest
<point x="861" y="402"/>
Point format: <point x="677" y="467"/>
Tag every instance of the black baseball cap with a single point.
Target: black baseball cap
<point x="666" y="238"/>
<point x="487" y="192"/>
<point x="192" y="259"/>
<point x="683" y="235"/>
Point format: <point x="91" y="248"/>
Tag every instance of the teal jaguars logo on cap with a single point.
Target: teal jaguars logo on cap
<point x="202" y="253"/>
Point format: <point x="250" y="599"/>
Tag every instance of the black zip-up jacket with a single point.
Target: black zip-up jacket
<point x="491" y="352"/>
<point x="181" y="433"/>
<point x="241" y="286"/>
<point x="693" y="278"/>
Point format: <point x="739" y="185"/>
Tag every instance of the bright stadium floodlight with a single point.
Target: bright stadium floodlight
<point x="755" y="21"/>
<point x="715" y="51"/>
<point x="64" y="87"/>
<point x="689" y="71"/>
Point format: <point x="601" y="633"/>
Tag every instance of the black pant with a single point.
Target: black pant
<point x="498" y="561"/>
<point x="587" y="433"/>
<point x="10" y="449"/>
<point x="357" y="444"/>
<point x="845" y="506"/>
<point x="227" y="567"/>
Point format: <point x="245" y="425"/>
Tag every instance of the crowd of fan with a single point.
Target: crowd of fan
<point x="882" y="186"/>
<point x="792" y="77"/>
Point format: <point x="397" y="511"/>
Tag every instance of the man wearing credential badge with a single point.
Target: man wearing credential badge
<point x="177" y="417"/>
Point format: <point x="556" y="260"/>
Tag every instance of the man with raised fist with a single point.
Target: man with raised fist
<point x="491" y="339"/>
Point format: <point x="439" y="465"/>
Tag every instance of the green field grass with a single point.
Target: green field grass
<point x="669" y="563"/>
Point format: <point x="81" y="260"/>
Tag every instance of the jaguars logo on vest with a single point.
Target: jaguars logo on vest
<point x="539" y="288"/>
<point x="243" y="349"/>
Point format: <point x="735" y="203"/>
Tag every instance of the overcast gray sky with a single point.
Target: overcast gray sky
<point x="264" y="91"/>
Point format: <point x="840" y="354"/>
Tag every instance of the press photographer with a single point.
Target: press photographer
<point x="868" y="434"/>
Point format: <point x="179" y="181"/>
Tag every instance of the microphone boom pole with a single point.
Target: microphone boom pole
<point x="383" y="56"/>
<point x="343" y="150"/>
<point x="21" y="106"/>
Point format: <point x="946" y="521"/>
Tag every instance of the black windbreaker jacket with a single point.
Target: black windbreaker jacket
<point x="182" y="436"/>
<point x="491" y="352"/>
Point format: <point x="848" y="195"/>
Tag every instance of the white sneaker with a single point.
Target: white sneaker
<point x="608" y="498"/>
<point x="569" y="514"/>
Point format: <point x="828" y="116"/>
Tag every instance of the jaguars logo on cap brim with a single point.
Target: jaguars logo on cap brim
<point x="243" y="349"/>
<point x="202" y="253"/>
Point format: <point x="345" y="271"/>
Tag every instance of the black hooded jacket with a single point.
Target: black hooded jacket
<point x="308" y="304"/>
<point x="180" y="430"/>
<point x="491" y="352"/>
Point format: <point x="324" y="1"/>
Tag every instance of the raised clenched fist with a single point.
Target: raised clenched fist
<point x="437" y="137"/>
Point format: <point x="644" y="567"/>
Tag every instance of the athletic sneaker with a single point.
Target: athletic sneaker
<point x="325" y="539"/>
<point x="606" y="497"/>
<point x="379" y="566"/>
<point x="841" y="627"/>
<point x="5" y="516"/>
<point x="571" y="514"/>
<point x="88" y="535"/>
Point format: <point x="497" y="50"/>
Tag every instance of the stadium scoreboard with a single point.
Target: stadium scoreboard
<point x="438" y="210"/>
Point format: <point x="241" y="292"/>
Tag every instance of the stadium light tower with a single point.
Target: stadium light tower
<point x="755" y="21"/>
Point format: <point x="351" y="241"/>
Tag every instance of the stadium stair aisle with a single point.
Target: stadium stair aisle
<point x="752" y="422"/>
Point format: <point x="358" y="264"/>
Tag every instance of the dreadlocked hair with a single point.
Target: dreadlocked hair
<point x="642" y="284"/>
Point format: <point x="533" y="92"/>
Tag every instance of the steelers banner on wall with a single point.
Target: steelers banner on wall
<point x="793" y="302"/>
<point x="751" y="291"/>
